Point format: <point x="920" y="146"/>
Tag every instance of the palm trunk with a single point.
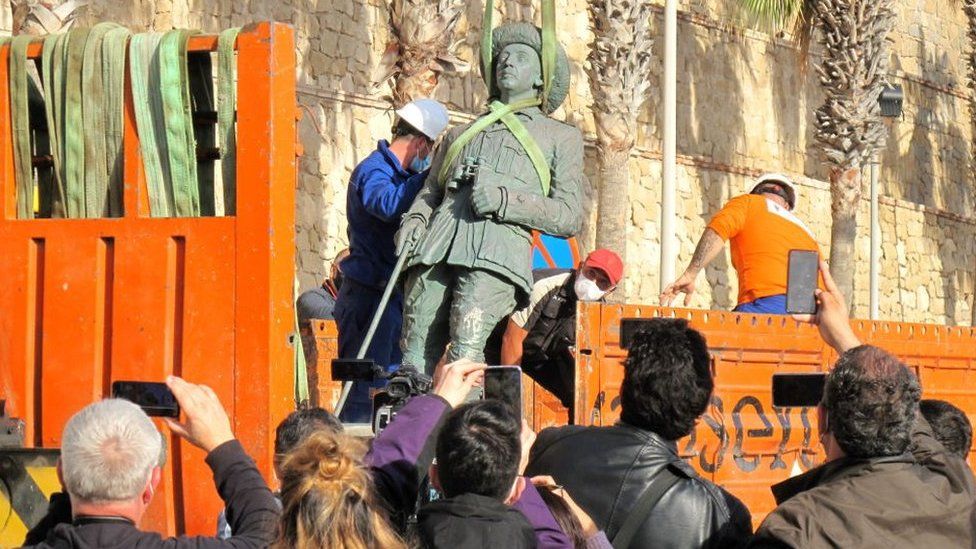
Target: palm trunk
<point x="613" y="207"/>
<point x="845" y="196"/>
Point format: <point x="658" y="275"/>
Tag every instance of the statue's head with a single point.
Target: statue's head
<point x="517" y="64"/>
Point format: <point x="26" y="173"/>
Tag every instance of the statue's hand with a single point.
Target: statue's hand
<point x="410" y="232"/>
<point x="485" y="199"/>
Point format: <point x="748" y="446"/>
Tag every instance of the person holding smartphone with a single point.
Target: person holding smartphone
<point x="762" y="229"/>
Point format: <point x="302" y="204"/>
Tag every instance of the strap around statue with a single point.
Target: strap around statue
<point x="506" y="114"/>
<point x="503" y="112"/>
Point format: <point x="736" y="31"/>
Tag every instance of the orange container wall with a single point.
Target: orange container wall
<point x="89" y="301"/>
<point x="742" y="442"/>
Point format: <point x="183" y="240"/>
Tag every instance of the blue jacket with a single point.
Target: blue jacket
<point x="380" y="191"/>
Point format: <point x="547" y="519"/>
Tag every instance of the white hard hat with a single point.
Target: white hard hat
<point x="427" y="115"/>
<point x="783" y="181"/>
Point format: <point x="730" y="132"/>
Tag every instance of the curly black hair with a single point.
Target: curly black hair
<point x="478" y="450"/>
<point x="949" y="424"/>
<point x="667" y="378"/>
<point x="871" y="399"/>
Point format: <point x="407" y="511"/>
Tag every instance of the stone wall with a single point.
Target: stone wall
<point x="744" y="106"/>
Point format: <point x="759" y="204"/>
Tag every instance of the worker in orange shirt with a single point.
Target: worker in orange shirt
<point x="763" y="230"/>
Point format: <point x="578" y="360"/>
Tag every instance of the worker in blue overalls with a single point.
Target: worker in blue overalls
<point x="381" y="188"/>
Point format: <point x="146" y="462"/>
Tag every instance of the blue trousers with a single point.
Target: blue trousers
<point x="770" y="305"/>
<point x="354" y="311"/>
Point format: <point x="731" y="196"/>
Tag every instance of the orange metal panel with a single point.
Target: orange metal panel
<point x="89" y="301"/>
<point x="265" y="233"/>
<point x="326" y="390"/>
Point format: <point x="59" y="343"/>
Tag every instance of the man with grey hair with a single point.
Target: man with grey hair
<point x="111" y="463"/>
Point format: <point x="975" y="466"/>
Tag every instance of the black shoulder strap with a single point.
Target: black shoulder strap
<point x="638" y="514"/>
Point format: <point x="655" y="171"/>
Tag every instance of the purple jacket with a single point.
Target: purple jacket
<point x="402" y="453"/>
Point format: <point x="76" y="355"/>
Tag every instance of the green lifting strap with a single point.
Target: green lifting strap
<point x="143" y="57"/>
<point x="487" y="25"/>
<point x="164" y="118"/>
<point x="20" y="122"/>
<point x="113" y="84"/>
<point x="178" y="119"/>
<point x="83" y="74"/>
<point x="51" y="61"/>
<point x="226" y="108"/>
<point x="301" y="366"/>
<point x="548" y="49"/>
<point x="499" y="111"/>
<point x="506" y="114"/>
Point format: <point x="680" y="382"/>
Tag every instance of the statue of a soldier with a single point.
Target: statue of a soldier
<point x="491" y="182"/>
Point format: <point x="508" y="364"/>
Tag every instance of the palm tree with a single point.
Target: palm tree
<point x="848" y="127"/>
<point x="620" y="79"/>
<point x="422" y="49"/>
<point x="969" y="7"/>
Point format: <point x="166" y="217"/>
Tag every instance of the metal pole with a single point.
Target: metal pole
<point x="347" y="386"/>
<point x="669" y="157"/>
<point x="875" y="239"/>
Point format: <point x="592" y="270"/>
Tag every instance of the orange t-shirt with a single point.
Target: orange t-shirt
<point x="762" y="234"/>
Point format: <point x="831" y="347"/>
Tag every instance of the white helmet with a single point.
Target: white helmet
<point x="783" y="183"/>
<point x="427" y="115"/>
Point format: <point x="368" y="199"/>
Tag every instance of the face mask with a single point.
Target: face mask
<point x="420" y="164"/>
<point x="587" y="290"/>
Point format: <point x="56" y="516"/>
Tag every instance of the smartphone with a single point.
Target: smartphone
<point x="154" y="398"/>
<point x="798" y="390"/>
<point x="801" y="282"/>
<point x="505" y="384"/>
<point x="629" y="327"/>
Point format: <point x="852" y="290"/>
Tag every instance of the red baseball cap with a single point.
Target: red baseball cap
<point x="608" y="262"/>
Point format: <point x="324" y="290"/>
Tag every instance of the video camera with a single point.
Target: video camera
<point x="402" y="385"/>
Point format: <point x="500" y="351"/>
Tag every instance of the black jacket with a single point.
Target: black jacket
<point x="251" y="511"/>
<point x="606" y="469"/>
<point x="470" y="521"/>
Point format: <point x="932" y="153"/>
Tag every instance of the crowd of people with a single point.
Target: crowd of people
<point x="895" y="473"/>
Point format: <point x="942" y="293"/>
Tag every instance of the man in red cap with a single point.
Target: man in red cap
<point x="542" y="336"/>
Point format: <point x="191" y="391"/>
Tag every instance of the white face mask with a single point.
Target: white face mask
<point x="586" y="289"/>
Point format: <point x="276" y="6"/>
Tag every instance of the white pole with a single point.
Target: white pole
<point x="668" y="249"/>
<point x="875" y="239"/>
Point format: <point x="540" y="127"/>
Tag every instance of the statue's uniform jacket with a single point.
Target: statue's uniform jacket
<point x="502" y="242"/>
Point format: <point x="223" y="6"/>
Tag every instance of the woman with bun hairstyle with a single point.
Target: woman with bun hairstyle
<point x="328" y="498"/>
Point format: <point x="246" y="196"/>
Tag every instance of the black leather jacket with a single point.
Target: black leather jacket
<point x="606" y="469"/>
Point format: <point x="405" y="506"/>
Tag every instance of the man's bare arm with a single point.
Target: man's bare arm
<point x="709" y="245"/>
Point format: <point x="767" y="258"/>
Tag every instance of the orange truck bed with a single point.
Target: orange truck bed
<point x="742" y="442"/>
<point x="89" y="301"/>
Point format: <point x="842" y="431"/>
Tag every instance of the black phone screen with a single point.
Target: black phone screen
<point x="505" y="384"/>
<point x="154" y="398"/>
<point x="797" y="390"/>
<point x="801" y="282"/>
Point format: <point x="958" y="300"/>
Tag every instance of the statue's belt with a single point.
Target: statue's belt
<point x="506" y="114"/>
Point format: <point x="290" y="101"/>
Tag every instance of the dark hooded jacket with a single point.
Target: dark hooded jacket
<point x="470" y="521"/>
<point x="923" y="499"/>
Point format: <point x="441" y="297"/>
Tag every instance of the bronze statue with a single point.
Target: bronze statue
<point x="491" y="182"/>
